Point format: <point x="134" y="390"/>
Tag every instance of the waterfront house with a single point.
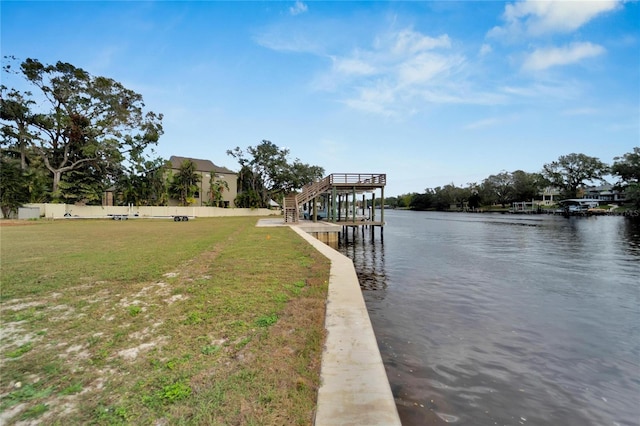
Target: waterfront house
<point x="604" y="194"/>
<point x="550" y="196"/>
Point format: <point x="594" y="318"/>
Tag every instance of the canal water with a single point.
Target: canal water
<point x="489" y="319"/>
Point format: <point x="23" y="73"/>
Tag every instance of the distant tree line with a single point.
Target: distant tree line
<point x="72" y="136"/>
<point x="569" y="174"/>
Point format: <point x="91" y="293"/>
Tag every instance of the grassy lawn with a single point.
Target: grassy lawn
<point x="211" y="321"/>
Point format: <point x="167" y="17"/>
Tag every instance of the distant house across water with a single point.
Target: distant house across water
<point x="550" y="196"/>
<point x="604" y="194"/>
<point x="206" y="169"/>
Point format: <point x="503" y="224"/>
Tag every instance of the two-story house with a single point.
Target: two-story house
<point x="206" y="169"/>
<point x="604" y="193"/>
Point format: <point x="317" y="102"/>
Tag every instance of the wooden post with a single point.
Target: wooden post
<point x="354" y="204"/>
<point x="373" y="207"/>
<point x="382" y="209"/>
<point x="346" y="206"/>
<point x="314" y="210"/>
<point x="334" y="199"/>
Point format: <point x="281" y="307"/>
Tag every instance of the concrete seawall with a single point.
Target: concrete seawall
<point x="354" y="388"/>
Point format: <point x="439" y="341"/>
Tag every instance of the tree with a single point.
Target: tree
<point x="143" y="183"/>
<point x="267" y="173"/>
<point x="14" y="190"/>
<point x="216" y="190"/>
<point x="420" y="201"/>
<point x="474" y="200"/>
<point x="39" y="181"/>
<point x="404" y="200"/>
<point x="498" y="188"/>
<point x="250" y="189"/>
<point x="526" y="186"/>
<point x="16" y="117"/>
<point x="572" y="171"/>
<point x="84" y="128"/>
<point x="444" y="197"/>
<point x="184" y="184"/>
<point x="391" y="202"/>
<point x="627" y="169"/>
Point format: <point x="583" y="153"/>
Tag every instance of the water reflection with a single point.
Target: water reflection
<point x="492" y="319"/>
<point x="366" y="244"/>
<point x="631" y="234"/>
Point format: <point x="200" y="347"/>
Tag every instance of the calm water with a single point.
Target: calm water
<point x="489" y="319"/>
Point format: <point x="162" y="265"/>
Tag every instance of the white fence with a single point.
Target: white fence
<point x="58" y="211"/>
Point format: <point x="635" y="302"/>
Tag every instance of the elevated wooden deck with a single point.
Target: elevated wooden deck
<point x="359" y="181"/>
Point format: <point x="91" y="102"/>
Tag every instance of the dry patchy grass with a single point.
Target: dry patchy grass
<point x="210" y="322"/>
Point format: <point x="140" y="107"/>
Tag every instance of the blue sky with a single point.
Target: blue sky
<point x="429" y="92"/>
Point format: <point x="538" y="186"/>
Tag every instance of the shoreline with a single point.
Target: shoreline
<point x="354" y="387"/>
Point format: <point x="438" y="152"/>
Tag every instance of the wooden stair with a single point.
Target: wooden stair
<point x="309" y="192"/>
<point x="291" y="208"/>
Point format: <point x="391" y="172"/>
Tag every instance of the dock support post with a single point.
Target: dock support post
<point x="373" y="207"/>
<point x="346" y="206"/>
<point x="314" y="215"/>
<point x="354" y="204"/>
<point x="382" y="209"/>
<point x="334" y="205"/>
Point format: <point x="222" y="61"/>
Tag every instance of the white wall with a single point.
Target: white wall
<point x="56" y="211"/>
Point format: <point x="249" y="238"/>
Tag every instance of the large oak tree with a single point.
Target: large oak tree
<point x="82" y="127"/>
<point x="572" y="171"/>
<point x="266" y="172"/>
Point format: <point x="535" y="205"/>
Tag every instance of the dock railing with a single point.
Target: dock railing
<point x="312" y="190"/>
<point x="358" y="179"/>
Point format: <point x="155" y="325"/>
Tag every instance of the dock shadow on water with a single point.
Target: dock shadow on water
<point x="499" y="319"/>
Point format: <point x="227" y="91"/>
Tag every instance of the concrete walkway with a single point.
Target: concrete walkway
<point x="354" y="388"/>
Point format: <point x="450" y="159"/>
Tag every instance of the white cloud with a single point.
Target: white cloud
<point x="564" y="89"/>
<point x="400" y="70"/>
<point x="581" y="111"/>
<point x="487" y="122"/>
<point x="535" y="18"/>
<point x="407" y="42"/>
<point x="353" y="66"/>
<point x="379" y="98"/>
<point x="397" y="75"/>
<point x="425" y="67"/>
<point x="298" y="8"/>
<point x="103" y="59"/>
<point x="297" y="43"/>
<point x="480" y="124"/>
<point x="541" y="59"/>
<point x="485" y="49"/>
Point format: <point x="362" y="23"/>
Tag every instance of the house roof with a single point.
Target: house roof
<point x="605" y="187"/>
<point x="201" y="165"/>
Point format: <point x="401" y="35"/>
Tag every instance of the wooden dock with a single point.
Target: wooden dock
<point x="339" y="199"/>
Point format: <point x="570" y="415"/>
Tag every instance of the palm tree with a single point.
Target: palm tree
<point x="184" y="184"/>
<point x="216" y="188"/>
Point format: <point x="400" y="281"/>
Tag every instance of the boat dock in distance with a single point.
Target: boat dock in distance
<point x="340" y="199"/>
